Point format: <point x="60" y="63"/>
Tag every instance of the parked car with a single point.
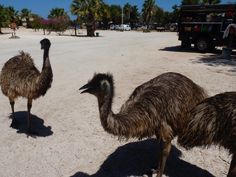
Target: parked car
<point x="173" y="27"/>
<point x="124" y="27"/>
<point x="114" y="27"/>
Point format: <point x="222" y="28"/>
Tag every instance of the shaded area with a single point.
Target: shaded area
<point x="37" y="124"/>
<point x="3" y="33"/>
<point x="81" y="35"/>
<point x="213" y="59"/>
<point x="190" y="50"/>
<point x="138" y="158"/>
<point x="217" y="60"/>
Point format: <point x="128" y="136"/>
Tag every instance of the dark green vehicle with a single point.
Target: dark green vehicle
<point x="204" y="25"/>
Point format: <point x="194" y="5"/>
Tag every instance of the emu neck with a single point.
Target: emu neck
<point x="45" y="78"/>
<point x="46" y="62"/>
<point x="107" y="117"/>
<point x="116" y="124"/>
<point x="105" y="104"/>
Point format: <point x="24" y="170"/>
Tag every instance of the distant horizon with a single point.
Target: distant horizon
<point x="43" y="7"/>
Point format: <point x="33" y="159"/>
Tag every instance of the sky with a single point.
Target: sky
<point x="43" y="7"/>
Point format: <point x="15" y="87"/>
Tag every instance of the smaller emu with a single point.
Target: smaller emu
<point x="213" y="121"/>
<point x="20" y="77"/>
<point x="157" y="107"/>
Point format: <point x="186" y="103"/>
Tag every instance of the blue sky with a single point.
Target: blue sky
<point x="43" y="7"/>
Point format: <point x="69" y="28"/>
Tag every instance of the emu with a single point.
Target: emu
<point x="157" y="107"/>
<point x="213" y="121"/>
<point x="20" y="77"/>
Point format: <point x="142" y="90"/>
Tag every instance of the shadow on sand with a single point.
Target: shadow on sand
<point x="138" y="158"/>
<point x="190" y="50"/>
<point x="81" y="35"/>
<point x="37" y="124"/>
<point x="211" y="59"/>
<point x="216" y="60"/>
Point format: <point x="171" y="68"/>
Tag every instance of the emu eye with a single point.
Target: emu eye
<point x="105" y="85"/>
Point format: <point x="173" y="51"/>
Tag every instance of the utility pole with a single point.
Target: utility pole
<point x="122" y="15"/>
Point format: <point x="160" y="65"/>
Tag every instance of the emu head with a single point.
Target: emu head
<point x="100" y="85"/>
<point x="45" y="43"/>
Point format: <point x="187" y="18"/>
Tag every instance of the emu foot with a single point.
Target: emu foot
<point x="31" y="133"/>
<point x="156" y="173"/>
<point x="14" y="124"/>
<point x="153" y="173"/>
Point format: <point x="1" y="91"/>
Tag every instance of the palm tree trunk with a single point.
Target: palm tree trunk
<point x="90" y="25"/>
<point x="75" y="30"/>
<point x="90" y="30"/>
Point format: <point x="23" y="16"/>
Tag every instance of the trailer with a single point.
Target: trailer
<point x="204" y="25"/>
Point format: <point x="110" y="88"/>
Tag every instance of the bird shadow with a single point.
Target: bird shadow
<point x="138" y="158"/>
<point x="37" y="124"/>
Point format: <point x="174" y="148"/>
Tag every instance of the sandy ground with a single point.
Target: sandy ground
<point x="71" y="140"/>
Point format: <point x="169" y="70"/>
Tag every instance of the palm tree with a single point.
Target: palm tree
<point x="115" y="14"/>
<point x="57" y="12"/>
<point x="190" y="2"/>
<point x="59" y="20"/>
<point x="4" y="18"/>
<point x="211" y="1"/>
<point x="88" y="11"/>
<point x="158" y="15"/>
<point x="127" y="12"/>
<point x="148" y="8"/>
<point x="105" y="15"/>
<point x="12" y="13"/>
<point x="193" y="2"/>
<point x="134" y="16"/>
<point x="26" y="15"/>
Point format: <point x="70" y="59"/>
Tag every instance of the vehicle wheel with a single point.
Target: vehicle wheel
<point x="202" y="45"/>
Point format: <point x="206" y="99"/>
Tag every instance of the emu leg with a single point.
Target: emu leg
<point x="165" y="148"/>
<point x="14" y="122"/>
<point x="29" y="122"/>
<point x="232" y="168"/>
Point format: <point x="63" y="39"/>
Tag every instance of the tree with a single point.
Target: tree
<point x="88" y="11"/>
<point x="127" y="11"/>
<point x="175" y="14"/>
<point x="12" y="13"/>
<point x="105" y="15"/>
<point x="4" y="18"/>
<point x="158" y="15"/>
<point x="36" y="24"/>
<point x="25" y="16"/>
<point x="190" y="2"/>
<point x="148" y="8"/>
<point x="58" y="20"/>
<point x="57" y="12"/>
<point x="134" y="16"/>
<point x="194" y="2"/>
<point x="115" y="14"/>
<point x="211" y="1"/>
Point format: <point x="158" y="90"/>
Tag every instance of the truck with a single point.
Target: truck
<point x="204" y="25"/>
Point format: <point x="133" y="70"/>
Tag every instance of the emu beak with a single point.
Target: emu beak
<point x="85" y="88"/>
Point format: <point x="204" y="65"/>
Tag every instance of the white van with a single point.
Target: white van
<point x="125" y="27"/>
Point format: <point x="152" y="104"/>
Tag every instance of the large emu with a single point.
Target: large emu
<point x="20" y="77"/>
<point x="157" y="107"/>
<point x="213" y="121"/>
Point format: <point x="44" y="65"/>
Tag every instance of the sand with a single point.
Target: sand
<point x="71" y="140"/>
